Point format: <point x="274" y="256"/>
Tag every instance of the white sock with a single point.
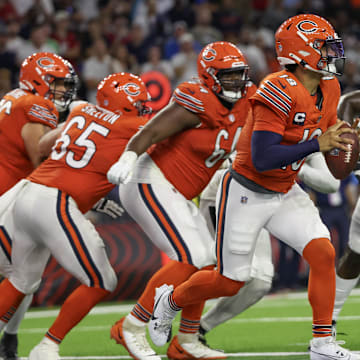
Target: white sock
<point x="135" y="321"/>
<point x="228" y="307"/>
<point x="343" y="289"/>
<point x="47" y="341"/>
<point x="14" y="323"/>
<point x="186" y="338"/>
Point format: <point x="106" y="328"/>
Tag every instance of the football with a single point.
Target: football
<point x="342" y="163"/>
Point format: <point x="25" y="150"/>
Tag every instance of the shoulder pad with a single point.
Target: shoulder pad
<point x="190" y="96"/>
<point x="274" y="93"/>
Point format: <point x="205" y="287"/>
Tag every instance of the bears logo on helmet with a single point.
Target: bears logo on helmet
<point x="209" y="54"/>
<point x="132" y="89"/>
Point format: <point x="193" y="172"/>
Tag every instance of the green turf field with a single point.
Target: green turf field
<point x="278" y="327"/>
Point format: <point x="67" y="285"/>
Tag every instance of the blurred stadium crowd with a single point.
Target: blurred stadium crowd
<point x="100" y="37"/>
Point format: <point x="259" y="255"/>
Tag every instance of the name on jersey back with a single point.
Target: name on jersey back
<point x="103" y="115"/>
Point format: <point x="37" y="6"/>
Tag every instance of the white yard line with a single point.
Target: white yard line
<point x="249" y="320"/>
<point x="268" y="301"/>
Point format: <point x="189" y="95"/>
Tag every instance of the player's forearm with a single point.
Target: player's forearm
<point x="141" y="141"/>
<point x="47" y="141"/>
<point x="268" y="153"/>
<point x="169" y="121"/>
<point x="31" y="134"/>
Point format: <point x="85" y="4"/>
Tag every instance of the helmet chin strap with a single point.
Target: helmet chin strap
<point x="305" y="65"/>
<point x="331" y="67"/>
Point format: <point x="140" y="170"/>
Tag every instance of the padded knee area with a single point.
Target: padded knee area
<point x="25" y="287"/>
<point x="259" y="287"/>
<point x="319" y="253"/>
<point x="228" y="286"/>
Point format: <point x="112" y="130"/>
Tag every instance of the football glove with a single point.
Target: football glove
<point x="121" y="171"/>
<point x="108" y="207"/>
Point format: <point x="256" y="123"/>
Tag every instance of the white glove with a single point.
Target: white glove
<point x="121" y="171"/>
<point x="109" y="207"/>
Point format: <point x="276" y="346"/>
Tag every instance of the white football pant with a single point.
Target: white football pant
<point x="40" y="221"/>
<point x="173" y="223"/>
<point x="242" y="213"/>
<point x="254" y="290"/>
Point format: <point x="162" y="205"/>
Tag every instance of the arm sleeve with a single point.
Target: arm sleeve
<point x="268" y="153"/>
<point x="315" y="174"/>
<point x="266" y="149"/>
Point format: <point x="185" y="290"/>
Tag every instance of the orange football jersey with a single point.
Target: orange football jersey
<point x="92" y="140"/>
<point x="190" y="158"/>
<point x="18" y="108"/>
<point x="297" y="118"/>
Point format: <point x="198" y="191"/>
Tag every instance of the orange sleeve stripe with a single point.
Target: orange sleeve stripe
<point x="165" y="223"/>
<point x="76" y="242"/>
<point x="221" y="220"/>
<point x="5" y="243"/>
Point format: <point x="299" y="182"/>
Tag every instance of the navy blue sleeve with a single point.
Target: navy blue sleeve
<point x="268" y="154"/>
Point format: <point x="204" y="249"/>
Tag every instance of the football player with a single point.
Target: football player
<point x="43" y="214"/>
<point x="185" y="144"/>
<point x="315" y="174"/>
<point x="292" y="115"/>
<point x="47" y="84"/>
<point x="348" y="271"/>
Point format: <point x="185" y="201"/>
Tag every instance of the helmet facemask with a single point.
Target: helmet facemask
<point x="332" y="58"/>
<point x="62" y="98"/>
<point x="142" y="108"/>
<point x="232" y="83"/>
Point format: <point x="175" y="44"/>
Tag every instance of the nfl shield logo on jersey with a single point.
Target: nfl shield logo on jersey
<point x="231" y="117"/>
<point x="244" y="199"/>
